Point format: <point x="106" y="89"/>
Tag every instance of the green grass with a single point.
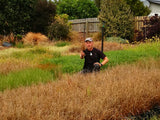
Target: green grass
<point x="24" y="78"/>
<point x="71" y="64"/>
<point x="62" y="44"/>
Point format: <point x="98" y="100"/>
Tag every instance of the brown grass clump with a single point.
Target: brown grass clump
<point x="97" y="36"/>
<point x="112" y="94"/>
<point x="75" y="36"/>
<point x="35" y="39"/>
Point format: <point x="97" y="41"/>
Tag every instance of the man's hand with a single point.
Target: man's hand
<point x="82" y="55"/>
<point x="98" y="64"/>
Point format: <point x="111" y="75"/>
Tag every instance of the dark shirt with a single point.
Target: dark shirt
<point x="91" y="57"/>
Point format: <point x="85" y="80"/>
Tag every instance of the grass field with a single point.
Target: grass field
<point x="54" y="64"/>
<point x="43" y="83"/>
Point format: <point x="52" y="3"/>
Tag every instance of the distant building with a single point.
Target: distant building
<point x="154" y="6"/>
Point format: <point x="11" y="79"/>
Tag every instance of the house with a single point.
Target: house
<point x="154" y="6"/>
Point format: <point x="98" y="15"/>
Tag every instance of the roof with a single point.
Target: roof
<point x="155" y="1"/>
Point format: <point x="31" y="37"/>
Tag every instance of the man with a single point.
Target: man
<point x="92" y="57"/>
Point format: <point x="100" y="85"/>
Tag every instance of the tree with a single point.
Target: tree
<point x="77" y="9"/>
<point x="15" y="16"/>
<point x="43" y="12"/>
<point x="98" y="4"/>
<point x="138" y="8"/>
<point x="67" y="7"/>
<point x="22" y="16"/>
<point x="86" y="9"/>
<point x="117" y="19"/>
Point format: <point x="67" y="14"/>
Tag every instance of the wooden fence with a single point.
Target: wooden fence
<point x="90" y="25"/>
<point x="87" y="25"/>
<point x="140" y="22"/>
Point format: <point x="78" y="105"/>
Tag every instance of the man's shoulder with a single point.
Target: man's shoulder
<point x="97" y="50"/>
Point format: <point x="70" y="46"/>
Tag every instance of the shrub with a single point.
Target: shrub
<point x="152" y="28"/>
<point x="155" y="27"/>
<point x="59" y="29"/>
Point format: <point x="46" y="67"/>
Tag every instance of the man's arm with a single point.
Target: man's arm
<point x="105" y="60"/>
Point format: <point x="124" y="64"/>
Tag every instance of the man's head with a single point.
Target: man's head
<point x="89" y="43"/>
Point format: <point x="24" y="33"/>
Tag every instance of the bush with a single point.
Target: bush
<point x="152" y="28"/>
<point x="59" y="29"/>
<point x="117" y="19"/>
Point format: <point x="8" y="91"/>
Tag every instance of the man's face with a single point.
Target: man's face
<point x="89" y="45"/>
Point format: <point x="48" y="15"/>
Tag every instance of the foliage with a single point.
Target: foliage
<point x="59" y="29"/>
<point x="77" y="9"/>
<point x="98" y="3"/>
<point x="150" y="30"/>
<point x="154" y="29"/>
<point x="44" y="11"/>
<point x="86" y="9"/>
<point x="15" y="16"/>
<point x="137" y="8"/>
<point x="117" y="19"/>
<point x="21" y="16"/>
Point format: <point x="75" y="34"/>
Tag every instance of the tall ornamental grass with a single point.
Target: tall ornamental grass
<point x="118" y="93"/>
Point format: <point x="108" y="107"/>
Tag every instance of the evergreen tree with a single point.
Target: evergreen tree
<point x="117" y="19"/>
<point x="138" y="8"/>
